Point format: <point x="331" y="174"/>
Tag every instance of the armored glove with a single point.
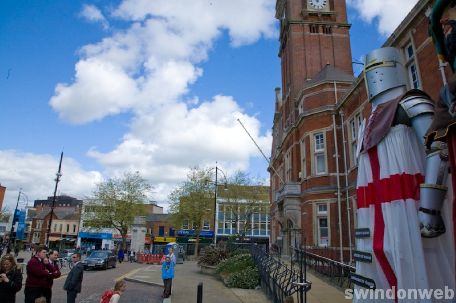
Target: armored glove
<point x="432" y="192"/>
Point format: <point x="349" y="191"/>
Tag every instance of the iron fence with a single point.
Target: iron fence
<point x="285" y="277"/>
<point x="278" y="279"/>
<point x="337" y="273"/>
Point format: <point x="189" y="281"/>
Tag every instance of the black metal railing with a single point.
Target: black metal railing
<point x="278" y="279"/>
<point x="337" y="273"/>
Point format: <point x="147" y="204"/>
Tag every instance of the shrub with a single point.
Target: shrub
<point x="246" y="278"/>
<point x="211" y="256"/>
<point x="241" y="251"/>
<point x="235" y="263"/>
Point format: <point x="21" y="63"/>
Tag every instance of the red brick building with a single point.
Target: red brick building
<point x="317" y="114"/>
<point x="2" y="195"/>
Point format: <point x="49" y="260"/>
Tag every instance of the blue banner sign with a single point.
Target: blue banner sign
<point x="20" y="232"/>
<point x="191" y="233"/>
<point x="89" y="235"/>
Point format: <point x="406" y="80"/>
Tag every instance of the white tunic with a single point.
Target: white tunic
<point x="388" y="191"/>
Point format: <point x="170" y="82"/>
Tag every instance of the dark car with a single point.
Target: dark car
<point x="100" y="259"/>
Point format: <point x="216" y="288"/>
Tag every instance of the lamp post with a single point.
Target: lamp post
<point x="215" y="199"/>
<point x="57" y="179"/>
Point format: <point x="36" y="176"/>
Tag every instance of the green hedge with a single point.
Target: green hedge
<point x="235" y="263"/>
<point x="247" y="278"/>
<point x="241" y="251"/>
<point x="240" y="270"/>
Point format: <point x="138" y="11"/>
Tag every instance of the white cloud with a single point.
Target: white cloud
<point x="154" y="61"/>
<point x="147" y="69"/>
<point x="164" y="146"/>
<point x="93" y="14"/>
<point x="389" y="13"/>
<point x="35" y="174"/>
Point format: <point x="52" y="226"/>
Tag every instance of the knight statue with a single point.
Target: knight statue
<point x="396" y="234"/>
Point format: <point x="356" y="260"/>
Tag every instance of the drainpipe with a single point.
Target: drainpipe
<point x="338" y="180"/>
<point x="341" y="113"/>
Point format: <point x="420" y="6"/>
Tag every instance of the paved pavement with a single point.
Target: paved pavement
<point x="185" y="284"/>
<point x="188" y="276"/>
<point x="146" y="286"/>
<point x="95" y="282"/>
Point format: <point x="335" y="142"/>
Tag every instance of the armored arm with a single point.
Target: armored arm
<point x="420" y="111"/>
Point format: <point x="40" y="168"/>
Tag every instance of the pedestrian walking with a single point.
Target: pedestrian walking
<point x="53" y="267"/>
<point x="167" y="276"/>
<point x="132" y="256"/>
<point x="37" y="275"/>
<point x="10" y="279"/>
<point x="120" y="255"/>
<point x="113" y="295"/>
<point x="73" y="282"/>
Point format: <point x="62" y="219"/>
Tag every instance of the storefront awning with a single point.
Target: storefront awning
<point x="53" y="239"/>
<point x="164" y="239"/>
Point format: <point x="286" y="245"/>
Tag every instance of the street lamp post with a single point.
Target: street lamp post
<point x="215" y="199"/>
<point x="57" y="179"/>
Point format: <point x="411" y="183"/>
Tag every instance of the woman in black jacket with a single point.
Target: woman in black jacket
<point x="10" y="279"/>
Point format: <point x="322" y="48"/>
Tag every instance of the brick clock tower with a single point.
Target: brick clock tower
<point x="307" y="180"/>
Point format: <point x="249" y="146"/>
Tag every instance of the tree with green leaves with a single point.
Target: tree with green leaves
<point x="5" y="214"/>
<point x="193" y="200"/>
<point x="116" y="202"/>
<point x="242" y="199"/>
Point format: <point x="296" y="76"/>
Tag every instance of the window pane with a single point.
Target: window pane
<point x="359" y="119"/>
<point x="319" y="142"/>
<point x="323" y="222"/>
<point x="320" y="163"/>
<point x="353" y="129"/>
<point x="323" y="231"/>
<point x="409" y="51"/>
<point x="322" y="208"/>
<point x="414" y="75"/>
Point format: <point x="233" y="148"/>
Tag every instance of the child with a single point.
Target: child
<point x="119" y="288"/>
<point x="167" y="276"/>
<point x="113" y="295"/>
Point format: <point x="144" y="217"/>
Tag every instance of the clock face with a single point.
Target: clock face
<point x="318" y="4"/>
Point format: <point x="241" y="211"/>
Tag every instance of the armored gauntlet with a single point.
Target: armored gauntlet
<point x="433" y="191"/>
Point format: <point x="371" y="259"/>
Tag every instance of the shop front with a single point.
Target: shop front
<point x="187" y="239"/>
<point x="159" y="244"/>
<point x="94" y="240"/>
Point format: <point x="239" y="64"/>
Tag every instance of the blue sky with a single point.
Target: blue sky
<point x="144" y="86"/>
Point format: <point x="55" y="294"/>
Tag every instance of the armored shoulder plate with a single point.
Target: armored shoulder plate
<point x="417" y="105"/>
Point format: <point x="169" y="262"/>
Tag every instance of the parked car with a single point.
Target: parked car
<point x="100" y="259"/>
